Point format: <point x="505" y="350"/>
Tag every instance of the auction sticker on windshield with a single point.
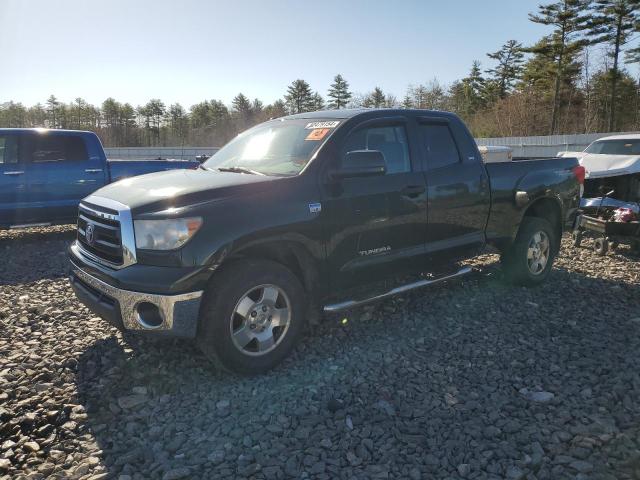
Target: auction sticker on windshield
<point x="332" y="124"/>
<point x="317" y="134"/>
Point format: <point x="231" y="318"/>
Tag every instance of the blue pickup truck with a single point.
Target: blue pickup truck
<point x="44" y="174"/>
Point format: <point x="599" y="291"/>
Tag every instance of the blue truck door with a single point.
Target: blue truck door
<point x="62" y="169"/>
<point x="13" y="187"/>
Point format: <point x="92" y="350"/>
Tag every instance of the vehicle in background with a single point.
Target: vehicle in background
<point x="611" y="163"/>
<point x="44" y="173"/>
<point x="494" y="154"/>
<point x="316" y="211"/>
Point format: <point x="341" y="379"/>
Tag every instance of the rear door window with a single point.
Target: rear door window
<point x="57" y="148"/>
<point x="8" y="149"/>
<point x="439" y="145"/>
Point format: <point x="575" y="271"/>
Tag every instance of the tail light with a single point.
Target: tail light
<point x="579" y="172"/>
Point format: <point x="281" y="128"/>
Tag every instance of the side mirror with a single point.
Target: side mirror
<point x="361" y="163"/>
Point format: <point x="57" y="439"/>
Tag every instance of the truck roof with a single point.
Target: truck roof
<point x="352" y="112"/>
<point x="41" y="130"/>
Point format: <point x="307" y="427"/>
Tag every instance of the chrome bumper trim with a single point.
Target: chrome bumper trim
<point x="167" y="304"/>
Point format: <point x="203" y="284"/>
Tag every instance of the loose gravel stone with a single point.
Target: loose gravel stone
<point x="470" y="379"/>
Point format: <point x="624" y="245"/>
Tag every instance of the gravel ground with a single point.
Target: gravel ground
<point x="473" y="379"/>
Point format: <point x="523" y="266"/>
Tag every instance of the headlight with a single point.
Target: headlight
<point x="165" y="234"/>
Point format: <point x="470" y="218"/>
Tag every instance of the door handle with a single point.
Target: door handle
<point x="93" y="170"/>
<point x="14" y="173"/>
<point x="413" y="190"/>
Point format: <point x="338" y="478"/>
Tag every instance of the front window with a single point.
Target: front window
<point x="615" y="147"/>
<point x="282" y="147"/>
<point x="8" y="149"/>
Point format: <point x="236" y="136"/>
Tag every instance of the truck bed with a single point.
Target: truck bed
<point x="533" y="176"/>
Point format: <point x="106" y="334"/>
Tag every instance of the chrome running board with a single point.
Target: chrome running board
<point x="336" y="307"/>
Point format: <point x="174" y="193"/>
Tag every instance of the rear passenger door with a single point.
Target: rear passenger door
<point x="60" y="173"/>
<point x="457" y="190"/>
<point x="13" y="186"/>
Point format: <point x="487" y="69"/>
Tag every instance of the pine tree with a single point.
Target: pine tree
<point x="241" y="104"/>
<point x="510" y="59"/>
<point x="339" y="93"/>
<point x="276" y="110"/>
<point x="317" y="102"/>
<point x="53" y="107"/>
<point x="568" y="19"/>
<point x="299" y="98"/>
<point x="612" y="24"/>
<point x="375" y="99"/>
<point x="473" y="88"/>
<point x="242" y="111"/>
<point x="407" y="102"/>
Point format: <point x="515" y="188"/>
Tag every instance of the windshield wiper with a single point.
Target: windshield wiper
<point x="238" y="169"/>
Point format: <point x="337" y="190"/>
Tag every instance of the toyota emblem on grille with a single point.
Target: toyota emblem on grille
<point x="89" y="233"/>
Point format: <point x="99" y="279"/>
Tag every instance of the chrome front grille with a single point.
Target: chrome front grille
<point x="105" y="232"/>
<point x="99" y="235"/>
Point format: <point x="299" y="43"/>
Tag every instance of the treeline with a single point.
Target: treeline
<point x="553" y="86"/>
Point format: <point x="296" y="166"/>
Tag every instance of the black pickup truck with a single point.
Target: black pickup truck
<point x="310" y="212"/>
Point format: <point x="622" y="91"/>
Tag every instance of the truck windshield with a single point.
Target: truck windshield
<point x="275" y="148"/>
<point x="615" y="147"/>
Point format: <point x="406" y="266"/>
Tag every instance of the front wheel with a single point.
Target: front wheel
<point x="252" y="316"/>
<point x="528" y="261"/>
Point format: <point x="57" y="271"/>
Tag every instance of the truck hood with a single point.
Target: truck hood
<point x="177" y="188"/>
<point x="599" y="165"/>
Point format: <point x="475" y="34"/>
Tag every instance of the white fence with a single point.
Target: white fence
<point x="544" y="146"/>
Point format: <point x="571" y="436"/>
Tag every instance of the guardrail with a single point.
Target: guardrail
<point x="148" y="153"/>
<point x="546" y="146"/>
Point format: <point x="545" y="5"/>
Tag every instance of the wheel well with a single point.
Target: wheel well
<point x="290" y="254"/>
<point x="548" y="209"/>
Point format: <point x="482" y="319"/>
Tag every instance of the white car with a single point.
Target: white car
<point x="611" y="163"/>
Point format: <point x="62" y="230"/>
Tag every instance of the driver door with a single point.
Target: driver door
<point x="378" y="223"/>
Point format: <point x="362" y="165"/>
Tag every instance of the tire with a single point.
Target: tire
<point x="519" y="268"/>
<point x="601" y="246"/>
<point x="233" y="302"/>
<point x="577" y="238"/>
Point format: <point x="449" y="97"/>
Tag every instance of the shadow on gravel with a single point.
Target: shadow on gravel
<point x="33" y="255"/>
<point x="432" y="380"/>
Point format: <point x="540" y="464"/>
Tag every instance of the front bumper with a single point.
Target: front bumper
<point x="125" y="309"/>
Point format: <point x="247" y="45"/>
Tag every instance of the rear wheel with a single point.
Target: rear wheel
<point x="252" y="316"/>
<point x="528" y="261"/>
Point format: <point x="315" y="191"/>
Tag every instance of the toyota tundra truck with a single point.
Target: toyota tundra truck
<point x="313" y="212"/>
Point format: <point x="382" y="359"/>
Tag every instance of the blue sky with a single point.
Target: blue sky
<point x="188" y="50"/>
